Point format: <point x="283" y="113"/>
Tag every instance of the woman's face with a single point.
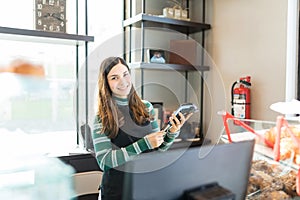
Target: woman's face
<point x="119" y="80"/>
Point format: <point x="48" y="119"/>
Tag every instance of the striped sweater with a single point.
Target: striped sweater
<point x="107" y="157"/>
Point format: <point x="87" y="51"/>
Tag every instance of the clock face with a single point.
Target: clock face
<point x="50" y="15"/>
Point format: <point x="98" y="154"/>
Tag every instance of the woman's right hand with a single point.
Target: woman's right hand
<point x="156" y="139"/>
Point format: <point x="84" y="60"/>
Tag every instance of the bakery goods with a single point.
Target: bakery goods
<point x="267" y="181"/>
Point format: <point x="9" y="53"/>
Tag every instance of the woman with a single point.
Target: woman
<point x="124" y="126"/>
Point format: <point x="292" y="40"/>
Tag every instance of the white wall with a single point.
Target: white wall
<point x="249" y="38"/>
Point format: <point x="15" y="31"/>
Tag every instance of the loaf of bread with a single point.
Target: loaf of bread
<point x="288" y="147"/>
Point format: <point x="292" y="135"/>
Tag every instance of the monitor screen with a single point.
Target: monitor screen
<point x="166" y="175"/>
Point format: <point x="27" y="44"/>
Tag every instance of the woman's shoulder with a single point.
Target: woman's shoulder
<point x="97" y="119"/>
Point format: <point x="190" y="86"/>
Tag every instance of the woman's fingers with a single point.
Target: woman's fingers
<point x="176" y="123"/>
<point x="156" y="139"/>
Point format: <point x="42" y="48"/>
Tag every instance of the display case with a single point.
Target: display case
<point x="275" y="162"/>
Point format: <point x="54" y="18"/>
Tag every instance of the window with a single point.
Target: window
<point x="44" y="111"/>
<point x="40" y="108"/>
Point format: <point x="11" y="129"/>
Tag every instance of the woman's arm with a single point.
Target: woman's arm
<point x="107" y="157"/>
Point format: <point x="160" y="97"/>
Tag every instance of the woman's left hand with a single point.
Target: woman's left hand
<point x="176" y="123"/>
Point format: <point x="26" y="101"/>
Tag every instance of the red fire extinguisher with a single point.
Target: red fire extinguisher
<point x="240" y="98"/>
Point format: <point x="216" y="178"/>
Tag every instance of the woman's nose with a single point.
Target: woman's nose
<point x="122" y="81"/>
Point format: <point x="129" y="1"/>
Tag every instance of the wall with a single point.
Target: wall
<point x="249" y="38"/>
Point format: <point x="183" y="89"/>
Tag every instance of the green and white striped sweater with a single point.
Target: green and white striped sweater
<point x="107" y="157"/>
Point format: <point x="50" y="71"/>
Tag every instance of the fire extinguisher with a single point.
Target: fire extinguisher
<point x="240" y="98"/>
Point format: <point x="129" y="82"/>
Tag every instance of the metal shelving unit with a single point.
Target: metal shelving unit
<point x="143" y="21"/>
<point x="167" y="66"/>
<point x="186" y="27"/>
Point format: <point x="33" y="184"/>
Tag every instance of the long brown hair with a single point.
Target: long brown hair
<point x="107" y="108"/>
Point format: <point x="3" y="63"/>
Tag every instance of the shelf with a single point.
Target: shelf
<point x="43" y="36"/>
<point x="182" y="26"/>
<point x="165" y="66"/>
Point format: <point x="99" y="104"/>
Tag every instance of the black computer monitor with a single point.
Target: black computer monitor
<point x="166" y="175"/>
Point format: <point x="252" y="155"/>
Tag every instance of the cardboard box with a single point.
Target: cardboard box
<point x="183" y="52"/>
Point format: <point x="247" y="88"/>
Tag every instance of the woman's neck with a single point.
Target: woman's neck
<point x="121" y="101"/>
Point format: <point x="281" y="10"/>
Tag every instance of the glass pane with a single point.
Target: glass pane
<point x="41" y="104"/>
<point x="17" y="14"/>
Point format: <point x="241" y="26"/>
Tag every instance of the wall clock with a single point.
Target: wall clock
<point x="50" y="15"/>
